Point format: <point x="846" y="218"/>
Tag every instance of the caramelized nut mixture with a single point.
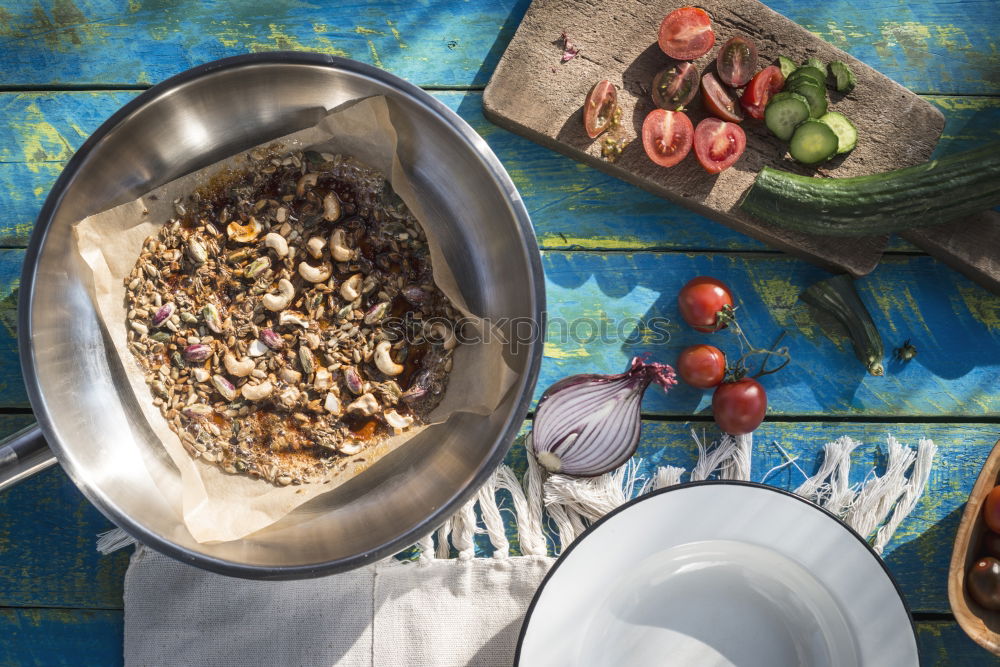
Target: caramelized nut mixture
<point x="287" y="319"/>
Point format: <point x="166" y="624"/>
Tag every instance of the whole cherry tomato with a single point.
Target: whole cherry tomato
<point x="702" y="366"/>
<point x="739" y="407"/>
<point x="701" y="300"/>
<point x="984" y="582"/>
<point x="990" y="545"/>
<point x="991" y="509"/>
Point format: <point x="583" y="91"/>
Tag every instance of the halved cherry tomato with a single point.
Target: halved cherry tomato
<point x="666" y="136"/>
<point x="718" y="100"/>
<point x="739" y="407"/>
<point x="762" y="87"/>
<point x="599" y="109"/>
<point x="718" y="144"/>
<point x="686" y="33"/>
<point x="736" y="61"/>
<point x="675" y="86"/>
<point x="702" y="366"/>
<point x="701" y="299"/>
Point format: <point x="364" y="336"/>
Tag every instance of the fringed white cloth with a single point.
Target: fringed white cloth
<point x="874" y="508"/>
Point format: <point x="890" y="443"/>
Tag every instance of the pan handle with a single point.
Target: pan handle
<point x="22" y="455"/>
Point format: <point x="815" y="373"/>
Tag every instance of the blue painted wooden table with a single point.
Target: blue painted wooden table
<point x="611" y="254"/>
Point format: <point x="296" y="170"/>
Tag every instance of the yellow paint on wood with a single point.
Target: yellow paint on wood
<point x="983" y="306"/>
<point x="553" y="352"/>
<point x="361" y="30"/>
<point x="952" y="38"/>
<point x="395" y="34"/>
<point x="781" y="299"/>
<point x="375" y="59"/>
<point x="40" y="140"/>
<point x="591" y="242"/>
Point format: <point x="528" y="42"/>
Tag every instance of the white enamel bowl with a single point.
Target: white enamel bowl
<point x="717" y="574"/>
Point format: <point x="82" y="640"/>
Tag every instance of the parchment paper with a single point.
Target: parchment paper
<point x="218" y="506"/>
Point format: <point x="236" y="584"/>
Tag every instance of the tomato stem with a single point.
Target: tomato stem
<point x="738" y="369"/>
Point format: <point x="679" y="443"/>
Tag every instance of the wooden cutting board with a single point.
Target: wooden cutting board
<point x="534" y="94"/>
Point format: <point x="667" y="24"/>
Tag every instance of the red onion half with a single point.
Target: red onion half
<point x="587" y="425"/>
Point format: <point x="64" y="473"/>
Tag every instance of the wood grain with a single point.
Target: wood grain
<point x="981" y="624"/>
<point x="572" y="206"/>
<point x="48" y="530"/>
<point x="927" y="45"/>
<point x="533" y="94"/>
<point x="606" y="307"/>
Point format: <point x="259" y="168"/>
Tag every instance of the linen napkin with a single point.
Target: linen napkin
<point x="467" y="610"/>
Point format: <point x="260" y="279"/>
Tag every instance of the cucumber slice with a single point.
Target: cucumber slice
<point x="784" y="113"/>
<point x="817" y="63"/>
<point x="847" y="134"/>
<point x="813" y="142"/>
<point x="844" y="76"/>
<point x="807" y="72"/>
<point x="815" y="95"/>
<point x="787" y="66"/>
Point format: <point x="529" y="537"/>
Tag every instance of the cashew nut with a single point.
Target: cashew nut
<point x="332" y="404"/>
<point x="338" y="246"/>
<point x="315" y="274"/>
<point x="306" y="179"/>
<point x="277" y="243"/>
<point x="384" y="361"/>
<point x="397" y="421"/>
<point x="315" y="247"/>
<point x="445" y="334"/>
<point x="322" y="380"/>
<point x="350" y="448"/>
<point x="257" y="392"/>
<point x="289" y="375"/>
<point x="349" y="290"/>
<point x="241" y="368"/>
<point x="365" y="404"/>
<point x="279" y="301"/>
<point x="257" y="348"/>
<point x="289" y="397"/>
<point x="331" y="207"/>
<point x="244" y="233"/>
<point x="292" y="317"/>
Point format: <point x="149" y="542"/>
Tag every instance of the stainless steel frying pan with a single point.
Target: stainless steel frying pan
<point x="79" y="395"/>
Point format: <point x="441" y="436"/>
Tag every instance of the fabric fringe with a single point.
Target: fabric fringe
<point x="113" y="540"/>
<point x="874" y="508"/>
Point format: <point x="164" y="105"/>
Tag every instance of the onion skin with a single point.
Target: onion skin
<point x="589" y="424"/>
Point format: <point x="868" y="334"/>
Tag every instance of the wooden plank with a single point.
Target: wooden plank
<point x="952" y="322"/>
<point x="596" y="302"/>
<point x="48" y="530"/>
<point x="572" y="206"/>
<point x="928" y="46"/>
<point x="943" y="644"/>
<point x="108" y="42"/>
<point x="50" y="637"/>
